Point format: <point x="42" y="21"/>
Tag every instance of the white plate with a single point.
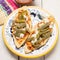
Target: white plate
<point x="8" y="39"/>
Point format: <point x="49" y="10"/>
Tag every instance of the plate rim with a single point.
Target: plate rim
<point x="22" y="55"/>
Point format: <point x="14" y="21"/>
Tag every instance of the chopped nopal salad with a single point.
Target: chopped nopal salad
<point x="24" y="34"/>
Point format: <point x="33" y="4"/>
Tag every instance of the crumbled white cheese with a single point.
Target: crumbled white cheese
<point x="51" y="26"/>
<point x="26" y="17"/>
<point x="34" y="35"/>
<point x="46" y="20"/>
<point x="24" y="29"/>
<point x="21" y="35"/>
<point x="33" y="41"/>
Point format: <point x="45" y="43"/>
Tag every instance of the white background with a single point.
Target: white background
<point x="53" y="6"/>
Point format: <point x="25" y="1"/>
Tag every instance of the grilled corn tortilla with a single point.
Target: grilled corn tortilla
<point x="20" y="26"/>
<point x="20" y="42"/>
